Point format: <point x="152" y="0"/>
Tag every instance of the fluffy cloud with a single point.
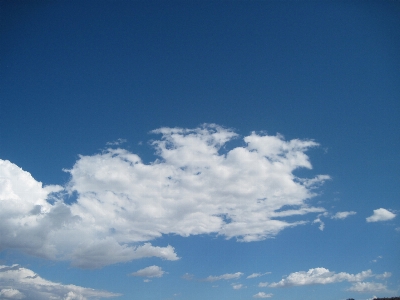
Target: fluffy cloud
<point x="152" y="271"/>
<point x="262" y="295"/>
<point x="21" y="283"/>
<point x="368" y="287"/>
<point x="224" y="277"/>
<point x="343" y="214"/>
<point x="195" y="187"/>
<point x="381" y="214"/>
<point x="319" y="276"/>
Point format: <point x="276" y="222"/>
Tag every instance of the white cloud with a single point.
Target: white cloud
<point x="152" y="271"/>
<point x="11" y="294"/>
<point x="263" y="284"/>
<point x="368" y="287"/>
<point x="255" y="275"/>
<point x="319" y="276"/>
<point x="19" y="283"/>
<point x="117" y="142"/>
<point x="343" y="214"/>
<point x="237" y="286"/>
<point x="224" y="277"/>
<point x="191" y="189"/>
<point x="381" y="214"/>
<point x="262" y="295"/>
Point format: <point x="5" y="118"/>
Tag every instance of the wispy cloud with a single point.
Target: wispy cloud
<point x="191" y="189"/>
<point x="152" y="271"/>
<point x="381" y="214"/>
<point x="368" y="287"/>
<point x="262" y="295"/>
<point x="17" y="282"/>
<point x="227" y="276"/>
<point x="343" y="214"/>
<point x="255" y="275"/>
<point x="117" y="142"/>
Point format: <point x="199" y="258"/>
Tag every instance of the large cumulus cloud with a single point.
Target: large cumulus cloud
<point x="192" y="188"/>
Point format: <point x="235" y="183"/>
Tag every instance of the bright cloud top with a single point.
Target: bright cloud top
<point x="195" y="187"/>
<point x="381" y="214"/>
<point x="21" y="283"/>
<point x="152" y="271"/>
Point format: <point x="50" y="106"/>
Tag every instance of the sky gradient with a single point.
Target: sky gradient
<point x="199" y="150"/>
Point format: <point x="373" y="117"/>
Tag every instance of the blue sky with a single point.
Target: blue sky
<point x="199" y="150"/>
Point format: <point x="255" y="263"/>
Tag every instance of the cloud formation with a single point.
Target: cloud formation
<point x="381" y="214"/>
<point x="152" y="271"/>
<point x="20" y="283"/>
<point x="196" y="186"/>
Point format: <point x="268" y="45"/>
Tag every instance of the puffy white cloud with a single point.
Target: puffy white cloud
<point x="20" y="283"/>
<point x="262" y="295"/>
<point x="381" y="214"/>
<point x="227" y="276"/>
<point x="368" y="287"/>
<point x="195" y="187"/>
<point x="152" y="271"/>
<point x="319" y="276"/>
<point x="255" y="275"/>
<point x="343" y="214"/>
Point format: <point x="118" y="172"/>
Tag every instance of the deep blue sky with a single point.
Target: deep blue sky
<point x="76" y="75"/>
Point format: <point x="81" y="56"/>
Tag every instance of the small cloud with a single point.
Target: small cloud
<point x="321" y="224"/>
<point x="254" y="275"/>
<point x="398" y="229"/>
<point x="343" y="214"/>
<point x="263" y="284"/>
<point x="381" y="214"/>
<point x="262" y="295"/>
<point x="237" y="286"/>
<point x="117" y="142"/>
<point x="146" y="280"/>
<point x="152" y="271"/>
<point x="376" y="259"/>
<point x="224" y="277"/>
<point x="188" y="276"/>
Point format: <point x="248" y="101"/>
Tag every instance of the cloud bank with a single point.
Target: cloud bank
<point x="196" y="186"/>
<point x="21" y="283"/>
